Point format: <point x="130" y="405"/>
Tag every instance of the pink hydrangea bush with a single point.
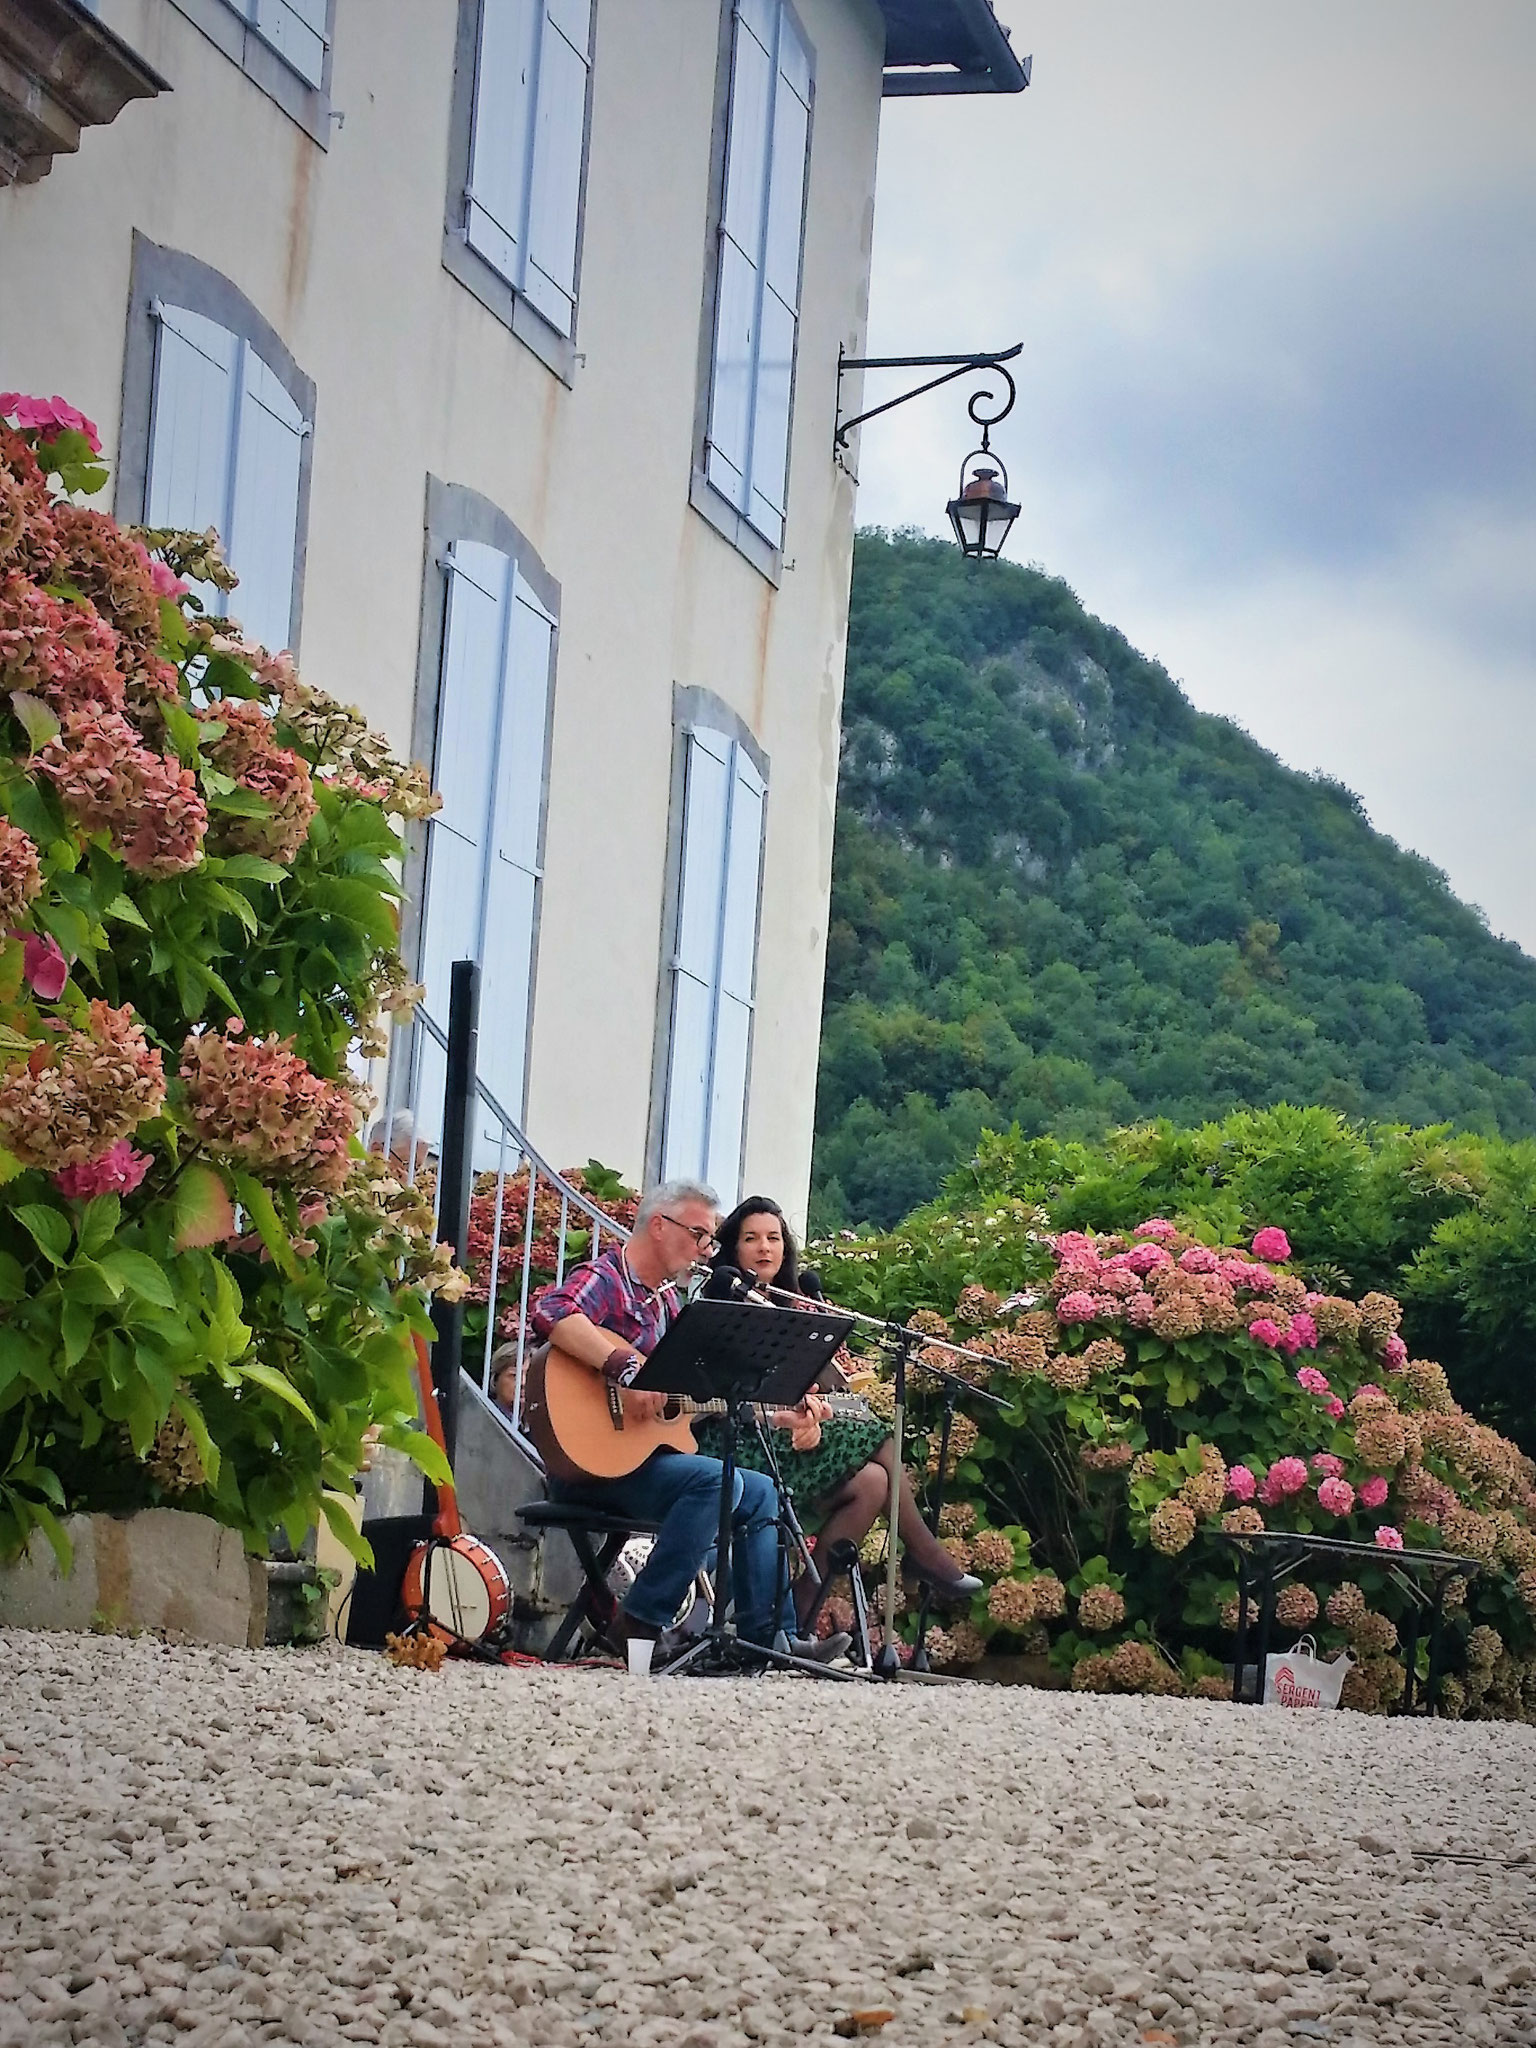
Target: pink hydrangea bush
<point x="176" y="805"/>
<point x="1199" y="1427"/>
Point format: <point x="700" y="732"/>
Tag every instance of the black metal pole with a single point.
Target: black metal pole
<point x="1240" y="1645"/>
<point x="1436" y="1624"/>
<point x="935" y="1512"/>
<point x="1410" y="1652"/>
<point x="455" y="1171"/>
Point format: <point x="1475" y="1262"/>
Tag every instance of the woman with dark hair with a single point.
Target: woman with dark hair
<point x="842" y="1484"/>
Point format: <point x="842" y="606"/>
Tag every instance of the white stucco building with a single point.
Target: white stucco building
<point x="499" y="339"/>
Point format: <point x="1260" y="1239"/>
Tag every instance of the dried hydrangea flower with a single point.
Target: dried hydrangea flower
<point x="74" y="1099"/>
<point x="1171" y="1526"/>
<point x="148" y="804"/>
<point x="1011" y="1604"/>
<point x="991" y="1552"/>
<point x="21" y="875"/>
<point x="256" y="1102"/>
<point x="247" y="751"/>
<point x="1100" y="1608"/>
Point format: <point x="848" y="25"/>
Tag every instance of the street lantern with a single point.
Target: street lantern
<point x="983" y="514"/>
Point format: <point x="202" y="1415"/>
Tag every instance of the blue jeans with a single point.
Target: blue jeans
<point x="682" y="1493"/>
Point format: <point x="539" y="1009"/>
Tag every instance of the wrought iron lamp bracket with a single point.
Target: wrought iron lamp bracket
<point x="982" y="406"/>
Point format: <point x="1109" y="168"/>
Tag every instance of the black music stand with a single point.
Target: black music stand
<point x="740" y="1352"/>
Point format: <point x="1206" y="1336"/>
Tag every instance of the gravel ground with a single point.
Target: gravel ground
<point x="221" y="1847"/>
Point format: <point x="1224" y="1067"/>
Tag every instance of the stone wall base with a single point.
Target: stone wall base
<point x="157" y="1569"/>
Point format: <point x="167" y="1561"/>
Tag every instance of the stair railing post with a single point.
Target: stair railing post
<point x="455" y="1172"/>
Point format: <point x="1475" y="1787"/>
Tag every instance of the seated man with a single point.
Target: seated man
<point x="608" y="1314"/>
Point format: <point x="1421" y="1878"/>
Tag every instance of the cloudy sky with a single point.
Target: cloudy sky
<point x="1275" y="274"/>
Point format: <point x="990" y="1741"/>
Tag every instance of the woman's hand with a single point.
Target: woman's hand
<point x="804" y="1422"/>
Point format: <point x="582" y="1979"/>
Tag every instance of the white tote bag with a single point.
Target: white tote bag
<point x="1300" y="1678"/>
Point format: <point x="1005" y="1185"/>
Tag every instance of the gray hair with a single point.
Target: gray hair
<point x="668" y="1193"/>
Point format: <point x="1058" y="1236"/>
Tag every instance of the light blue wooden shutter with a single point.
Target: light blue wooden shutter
<point x="748" y="136"/>
<point x="758" y="292"/>
<point x="463" y="773"/>
<point x="696" y="957"/>
<point x="738" y="970"/>
<point x="509" y="921"/>
<point x="496" y="202"/>
<point x="779" y="318"/>
<point x="191" y="429"/>
<point x="714" y="964"/>
<point x="296" y="30"/>
<point x="560" y="118"/>
<point x="264" y="515"/>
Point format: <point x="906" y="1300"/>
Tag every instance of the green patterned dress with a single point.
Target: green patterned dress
<point x="812" y="1476"/>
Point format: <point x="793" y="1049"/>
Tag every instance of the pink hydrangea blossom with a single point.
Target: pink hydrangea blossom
<point x="1200" y="1259"/>
<point x="1235" y="1272"/>
<point x="1289" y="1343"/>
<point x="1310" y="1300"/>
<point x="48" y="416"/>
<point x="1156" y="1226"/>
<point x="1304" y="1330"/>
<point x="1388" y="1538"/>
<point x="1337" y="1496"/>
<point x="1373" y="1492"/>
<point x="1116" y="1280"/>
<point x="1241" y="1483"/>
<point x="1077" y="1307"/>
<point x="1148" y="1258"/>
<point x="1263" y="1331"/>
<point x="1309" y="1379"/>
<point x="1259" y="1280"/>
<point x="167" y="583"/>
<point x="44" y="966"/>
<point x="1074" y="1244"/>
<point x="1327" y="1466"/>
<point x="117" y="1172"/>
<point x="1334" y="1409"/>
<point x="1271" y="1243"/>
<point x="1106" y="1308"/>
<point x="1287" y="1476"/>
<point x="1139" y="1309"/>
<point x="1075" y="1275"/>
<point x="1394" y="1353"/>
<point x="1370" y="1392"/>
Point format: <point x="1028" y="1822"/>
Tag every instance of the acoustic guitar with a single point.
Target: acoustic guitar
<point x="578" y="1420"/>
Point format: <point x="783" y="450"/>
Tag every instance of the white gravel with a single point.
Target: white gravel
<point x="223" y="1847"/>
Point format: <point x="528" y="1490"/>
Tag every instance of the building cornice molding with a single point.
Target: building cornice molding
<point x="60" y="71"/>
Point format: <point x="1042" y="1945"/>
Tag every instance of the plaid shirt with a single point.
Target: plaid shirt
<point x="608" y="1294"/>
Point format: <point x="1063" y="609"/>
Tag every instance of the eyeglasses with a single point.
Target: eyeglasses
<point x="705" y="1240"/>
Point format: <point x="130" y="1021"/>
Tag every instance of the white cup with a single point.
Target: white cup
<point x="640" y="1650"/>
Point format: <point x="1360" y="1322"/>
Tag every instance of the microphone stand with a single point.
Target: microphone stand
<point x="900" y="1344"/>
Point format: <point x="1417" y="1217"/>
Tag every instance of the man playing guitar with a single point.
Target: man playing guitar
<point x="609" y="1313"/>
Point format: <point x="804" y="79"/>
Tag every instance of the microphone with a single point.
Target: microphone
<point x="725" y="1283"/>
<point x="810" y="1284"/>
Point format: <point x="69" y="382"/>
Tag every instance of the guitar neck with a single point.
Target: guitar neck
<point x="848" y="1406"/>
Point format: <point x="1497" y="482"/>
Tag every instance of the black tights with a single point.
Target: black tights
<point x="855" y="1508"/>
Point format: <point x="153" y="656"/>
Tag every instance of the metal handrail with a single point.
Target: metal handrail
<point x="405" y="1090"/>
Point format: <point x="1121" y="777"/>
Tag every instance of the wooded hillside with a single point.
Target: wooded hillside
<point x="1064" y="898"/>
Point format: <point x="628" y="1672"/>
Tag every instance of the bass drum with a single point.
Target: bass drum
<point x="459" y="1587"/>
<point x="627" y="1567"/>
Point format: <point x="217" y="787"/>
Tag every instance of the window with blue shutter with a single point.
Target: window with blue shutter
<point x="522" y="201"/>
<point x="485" y="845"/>
<point x="714" y="963"/>
<point x="226" y="450"/>
<point x="757" y="291"/>
<point x="296" y="29"/>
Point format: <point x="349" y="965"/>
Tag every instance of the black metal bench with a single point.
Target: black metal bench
<point x="1266" y="1556"/>
<point x="597" y="1538"/>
